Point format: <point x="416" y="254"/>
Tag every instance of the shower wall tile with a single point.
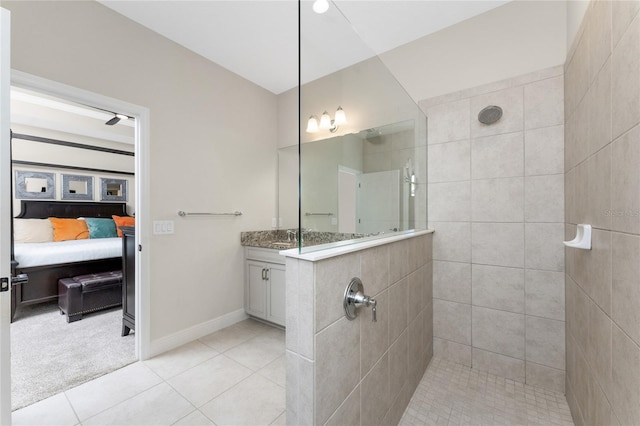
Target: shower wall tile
<point x="544" y="151"/>
<point x="511" y="101"/>
<point x="398" y="368"/>
<point x="599" y="36"/>
<point x="625" y="84"/>
<point x="498" y="287"/>
<point x="329" y="286"/>
<point x="338" y="357"/>
<point x="626" y="378"/>
<point x="599" y="348"/>
<point x="375" y="269"/>
<point x="544" y="294"/>
<point x="545" y="342"/>
<point x="509" y="341"/>
<point x="449" y="202"/>
<point x="451" y="241"/>
<point x="397" y="309"/>
<point x="497" y="200"/>
<point x="577" y="136"/>
<point x="375" y="397"/>
<point x="349" y="412"/>
<point x="452" y="321"/>
<point x="599" y="100"/>
<point x="500" y="244"/>
<point x="625" y="182"/>
<point x="544" y="103"/>
<point x="449" y="162"/>
<point x="600" y="410"/>
<point x="570" y="196"/>
<point x="452" y="281"/>
<point x="576" y="78"/>
<point x="544" y="377"/>
<point x="448" y="122"/>
<point x="623" y="13"/>
<point x="593" y="269"/>
<point x="626" y="283"/>
<point x="505" y="366"/>
<point x="543" y="246"/>
<point x="377" y="341"/>
<point x="497" y="156"/>
<point x="452" y="350"/>
<point x="544" y="198"/>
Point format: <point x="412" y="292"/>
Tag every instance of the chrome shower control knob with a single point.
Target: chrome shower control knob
<point x="354" y="298"/>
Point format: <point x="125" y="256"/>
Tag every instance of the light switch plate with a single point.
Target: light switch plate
<point x="273" y="222"/>
<point x="162" y="227"/>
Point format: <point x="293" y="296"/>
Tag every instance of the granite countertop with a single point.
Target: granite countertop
<point x="281" y="240"/>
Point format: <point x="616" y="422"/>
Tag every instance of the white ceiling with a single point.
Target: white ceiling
<point x="258" y="39"/>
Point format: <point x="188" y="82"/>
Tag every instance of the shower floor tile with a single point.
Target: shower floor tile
<point x="454" y="394"/>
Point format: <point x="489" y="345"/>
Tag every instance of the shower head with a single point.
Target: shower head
<point x="490" y="114"/>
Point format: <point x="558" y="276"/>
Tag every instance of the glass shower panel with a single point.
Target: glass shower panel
<point x="363" y="177"/>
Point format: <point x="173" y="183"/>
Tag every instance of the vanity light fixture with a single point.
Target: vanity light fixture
<point x="320" y="6"/>
<point x="326" y="123"/>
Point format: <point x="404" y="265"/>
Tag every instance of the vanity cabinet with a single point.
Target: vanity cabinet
<point x="264" y="293"/>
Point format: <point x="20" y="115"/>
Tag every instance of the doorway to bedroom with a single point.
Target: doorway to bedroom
<point x="74" y="203"/>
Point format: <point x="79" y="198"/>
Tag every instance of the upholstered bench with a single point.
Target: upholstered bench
<point x="88" y="293"/>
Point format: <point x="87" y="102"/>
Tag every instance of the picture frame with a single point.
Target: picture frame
<point x="30" y="185"/>
<point x="77" y="187"/>
<point x="113" y="189"/>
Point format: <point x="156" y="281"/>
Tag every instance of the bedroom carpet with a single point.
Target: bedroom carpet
<point x="48" y="355"/>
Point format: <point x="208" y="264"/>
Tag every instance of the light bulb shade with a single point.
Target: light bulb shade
<point x="325" y="121"/>
<point x="320" y="6"/>
<point x="312" y="124"/>
<point x="341" y="117"/>
<point x="122" y="116"/>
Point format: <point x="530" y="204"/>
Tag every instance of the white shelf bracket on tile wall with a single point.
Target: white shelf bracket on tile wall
<point x="582" y="239"/>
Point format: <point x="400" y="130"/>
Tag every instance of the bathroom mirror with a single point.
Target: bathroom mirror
<point x="370" y="183"/>
<point x="34" y="185"/>
<point x="113" y="189"/>
<point x="77" y="187"/>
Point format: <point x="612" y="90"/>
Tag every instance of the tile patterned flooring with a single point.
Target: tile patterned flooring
<point x="454" y="394"/>
<point x="236" y="376"/>
<point x="232" y="377"/>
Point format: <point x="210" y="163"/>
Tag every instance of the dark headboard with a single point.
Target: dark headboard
<point x="69" y="209"/>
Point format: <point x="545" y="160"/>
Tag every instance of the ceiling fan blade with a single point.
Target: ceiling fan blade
<point x="113" y="121"/>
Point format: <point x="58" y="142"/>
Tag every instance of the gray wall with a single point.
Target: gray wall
<point x="356" y="372"/>
<point x="602" y="181"/>
<point x="496" y="203"/>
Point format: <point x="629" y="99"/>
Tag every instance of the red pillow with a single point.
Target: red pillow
<point x="123" y="221"/>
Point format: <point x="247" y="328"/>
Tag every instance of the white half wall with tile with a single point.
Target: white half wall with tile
<point x="496" y="203"/>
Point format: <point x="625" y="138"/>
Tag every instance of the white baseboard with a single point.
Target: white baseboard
<point x="195" y="332"/>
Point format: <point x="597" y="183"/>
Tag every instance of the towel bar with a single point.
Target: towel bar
<point x="183" y="214"/>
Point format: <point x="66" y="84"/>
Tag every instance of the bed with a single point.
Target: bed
<point x="70" y="258"/>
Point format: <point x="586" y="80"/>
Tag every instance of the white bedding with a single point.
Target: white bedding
<point x="41" y="254"/>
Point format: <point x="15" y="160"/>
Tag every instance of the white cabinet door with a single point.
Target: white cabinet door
<point x="276" y="295"/>
<point x="256" y="289"/>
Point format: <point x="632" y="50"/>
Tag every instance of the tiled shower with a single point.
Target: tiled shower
<point x="496" y="202"/>
<point x="508" y="297"/>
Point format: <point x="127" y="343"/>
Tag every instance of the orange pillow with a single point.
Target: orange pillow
<point x="69" y="229"/>
<point x="123" y="221"/>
